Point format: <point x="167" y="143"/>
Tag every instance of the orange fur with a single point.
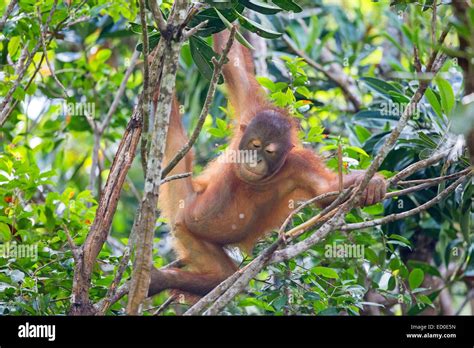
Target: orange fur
<point x="219" y="208"/>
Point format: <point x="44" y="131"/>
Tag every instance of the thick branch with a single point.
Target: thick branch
<point x="146" y="83"/>
<point x="144" y="225"/>
<point x="205" y="109"/>
<point x="157" y="15"/>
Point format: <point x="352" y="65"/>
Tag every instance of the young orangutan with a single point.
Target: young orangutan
<point x="238" y="203"/>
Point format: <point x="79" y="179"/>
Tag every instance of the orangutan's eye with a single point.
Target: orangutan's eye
<point x="256" y="144"/>
<point x="271" y="148"/>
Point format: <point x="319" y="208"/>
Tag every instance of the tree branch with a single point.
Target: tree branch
<point x="157" y="15"/>
<point x="414" y="211"/>
<point x="144" y="224"/>
<point x="146" y="84"/>
<point x="43" y="30"/>
<point x="7" y="13"/>
<point x="205" y="109"/>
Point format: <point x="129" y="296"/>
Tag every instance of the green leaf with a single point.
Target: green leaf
<point x="288" y="5"/>
<point x="250" y="301"/>
<point x="5" y="234"/>
<point x="221" y="124"/>
<point x="103" y="55"/>
<point x="401" y="239"/>
<point x="258" y="29"/>
<point x="434" y="102"/>
<point x="202" y="54"/>
<point x="394" y="264"/>
<point x="358" y="150"/>
<point x="362" y="133"/>
<point x="446" y="93"/>
<point x="13" y="45"/>
<point x="214" y="24"/>
<point x="260" y="7"/>
<point x="238" y="35"/>
<point x="216" y="132"/>
<point x="425" y="300"/>
<point x="267" y="83"/>
<point x="137" y="28"/>
<point x="370" y="255"/>
<point x="220" y="4"/>
<point x="153" y="40"/>
<point x="374" y="115"/>
<point x="280" y="302"/>
<point x="425" y="267"/>
<point x="415" y="279"/>
<point x="325" y="272"/>
<point x="391" y="283"/>
<point x="381" y="86"/>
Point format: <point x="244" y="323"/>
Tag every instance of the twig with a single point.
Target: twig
<point x="194" y="30"/>
<point x="392" y="139"/>
<point x="121" y="292"/>
<point x="107" y="205"/>
<point x="323" y="215"/>
<point x="434" y="54"/>
<point x="119" y="95"/>
<point x="76" y="252"/>
<point x="214" y="294"/>
<point x="243" y="278"/>
<point x="43" y="30"/>
<point x="469" y="296"/>
<point x="77" y="21"/>
<point x="4" y="109"/>
<point x="417" y="166"/>
<point x="205" y="109"/>
<point x="340" y="80"/>
<point x="416" y="59"/>
<point x="165" y="305"/>
<point x="433" y="24"/>
<point x="339" y="167"/>
<point x="414" y="211"/>
<point x="157" y="15"/>
<point x="130" y="182"/>
<point x="175" y="177"/>
<point x="7" y="12"/>
<point x="435" y="180"/>
<point x="99" y="128"/>
<point x="146" y="83"/>
<point x="118" y="277"/>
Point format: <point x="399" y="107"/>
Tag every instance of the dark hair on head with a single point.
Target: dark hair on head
<point x="278" y="119"/>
